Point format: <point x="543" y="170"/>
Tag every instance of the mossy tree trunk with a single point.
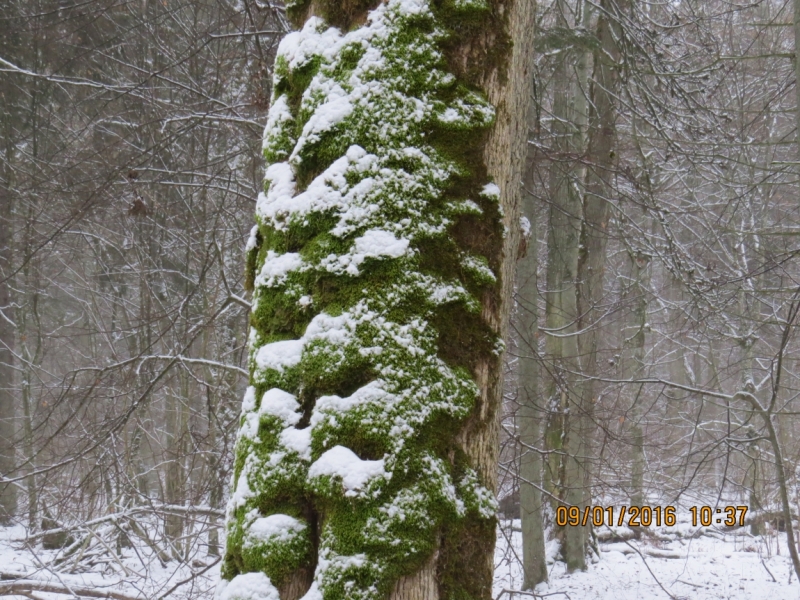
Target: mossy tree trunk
<point x="382" y="266"/>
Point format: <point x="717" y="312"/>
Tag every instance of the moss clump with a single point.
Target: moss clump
<point x="366" y="321"/>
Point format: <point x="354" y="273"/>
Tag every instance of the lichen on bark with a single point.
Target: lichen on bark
<point x="347" y="465"/>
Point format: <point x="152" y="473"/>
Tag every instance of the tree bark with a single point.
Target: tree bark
<point x="529" y="397"/>
<point x="563" y="478"/>
<point x="797" y="72"/>
<point x="634" y="300"/>
<point x="601" y="157"/>
<point x="494" y="57"/>
<point x="8" y="493"/>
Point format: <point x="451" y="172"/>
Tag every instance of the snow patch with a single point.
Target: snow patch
<point x="333" y="111"/>
<point x="277" y="403"/>
<point x="249" y="400"/>
<point x="252" y="240"/>
<point x="277" y="267"/>
<point x="491" y="191"/>
<point x="274" y="528"/>
<point x="329" y="406"/>
<point x="314" y="39"/>
<point x="279" y="355"/>
<point x="377" y="242"/>
<point x="525" y="226"/>
<point x="247" y="586"/>
<point x="354" y="472"/>
<point x="297" y="440"/>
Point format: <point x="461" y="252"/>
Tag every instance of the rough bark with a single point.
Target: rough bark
<point x="454" y="546"/>
<point x="421" y="585"/>
<point x="508" y="89"/>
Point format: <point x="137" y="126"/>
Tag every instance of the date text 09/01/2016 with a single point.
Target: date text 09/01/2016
<point x="636" y="516"/>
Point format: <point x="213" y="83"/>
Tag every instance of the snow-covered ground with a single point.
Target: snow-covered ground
<point x="138" y="573"/>
<point x="714" y="565"/>
<point x="732" y="566"/>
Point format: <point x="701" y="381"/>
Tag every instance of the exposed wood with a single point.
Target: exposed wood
<point x="421" y="585"/>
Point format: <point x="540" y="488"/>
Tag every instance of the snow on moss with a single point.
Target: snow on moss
<point x="358" y="389"/>
<point x="252" y="239"/>
<point x="342" y="464"/>
<point x="249" y="400"/>
<point x="297" y="440"/>
<point x="248" y="586"/>
<point x="273" y="528"/>
<point x="276" y="267"/>
<point x="279" y="355"/>
<point x="280" y="404"/>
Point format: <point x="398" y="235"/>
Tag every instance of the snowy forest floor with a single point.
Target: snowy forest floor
<point x="714" y="565"/>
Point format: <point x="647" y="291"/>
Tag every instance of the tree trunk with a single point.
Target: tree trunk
<point x="399" y="298"/>
<point x="634" y="301"/>
<point x="797" y="72"/>
<point x="601" y="158"/>
<point x="531" y="409"/>
<point x="563" y="477"/>
<point x="8" y="492"/>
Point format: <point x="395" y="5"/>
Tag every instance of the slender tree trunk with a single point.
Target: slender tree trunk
<point x="563" y="477"/>
<point x="797" y="72"/>
<point x="531" y="409"/>
<point x="768" y="418"/>
<point x="601" y="158"/>
<point x="175" y="475"/>
<point x="8" y="492"/>
<point x="634" y="301"/>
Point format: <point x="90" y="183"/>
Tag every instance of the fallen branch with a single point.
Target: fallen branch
<point x="626" y="548"/>
<point x="26" y="586"/>
<point x="159" y="509"/>
<point x="768" y="571"/>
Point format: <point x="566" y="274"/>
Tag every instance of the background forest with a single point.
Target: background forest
<point x="655" y="358"/>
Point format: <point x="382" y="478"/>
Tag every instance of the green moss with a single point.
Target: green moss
<point x="381" y="200"/>
<point x="464" y="543"/>
<point x="251" y="260"/>
<point x="296" y="9"/>
<point x="278" y="558"/>
<point x="345" y="13"/>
